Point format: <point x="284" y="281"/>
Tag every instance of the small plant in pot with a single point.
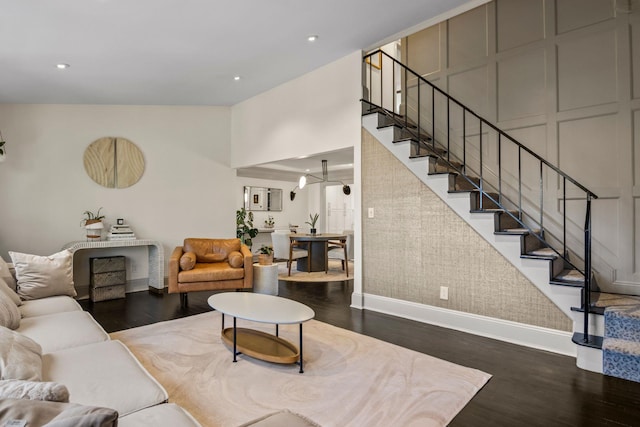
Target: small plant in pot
<point x="312" y="223"/>
<point x="245" y="231"/>
<point x="265" y="257"/>
<point x="269" y="222"/>
<point x="93" y="224"/>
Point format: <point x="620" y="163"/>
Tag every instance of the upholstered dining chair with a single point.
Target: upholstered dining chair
<point x="341" y="251"/>
<point x="284" y="248"/>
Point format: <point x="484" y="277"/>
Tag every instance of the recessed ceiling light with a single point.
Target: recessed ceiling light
<point x="236" y="78"/>
<point x="62" y="66"/>
<point x="312" y="38"/>
<point x="307" y="170"/>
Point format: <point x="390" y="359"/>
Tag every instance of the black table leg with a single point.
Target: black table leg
<point x="234" y="339"/>
<point x="301" y="370"/>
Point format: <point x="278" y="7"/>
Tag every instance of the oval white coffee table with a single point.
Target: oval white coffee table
<point x="264" y="309"/>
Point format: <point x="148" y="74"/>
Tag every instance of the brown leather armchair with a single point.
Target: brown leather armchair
<point x="209" y="264"/>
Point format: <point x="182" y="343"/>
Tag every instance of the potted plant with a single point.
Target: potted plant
<point x="269" y="222"/>
<point x="93" y="224"/>
<point x="265" y="257"/>
<point x="245" y="231"/>
<point x="312" y="223"/>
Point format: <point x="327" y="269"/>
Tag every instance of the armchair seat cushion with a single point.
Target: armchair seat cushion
<point x="210" y="271"/>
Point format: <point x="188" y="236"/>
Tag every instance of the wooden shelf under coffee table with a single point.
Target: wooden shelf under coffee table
<point x="264" y="309"/>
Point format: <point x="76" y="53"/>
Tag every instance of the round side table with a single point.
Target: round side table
<point x="265" y="279"/>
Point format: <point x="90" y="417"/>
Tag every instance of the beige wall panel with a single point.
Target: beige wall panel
<point x="573" y="14"/>
<point x="417" y="244"/>
<point x="521" y="85"/>
<point x="533" y="137"/>
<point x="604" y="216"/>
<point x="588" y="151"/>
<point x="519" y="22"/>
<point x="635" y="58"/>
<point x="636" y="215"/>
<point x="467" y="35"/>
<point x="424" y="50"/>
<point x="587" y="71"/>
<point x="636" y="147"/>
<point x="471" y="87"/>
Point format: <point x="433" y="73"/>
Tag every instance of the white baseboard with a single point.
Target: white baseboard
<point x="504" y="330"/>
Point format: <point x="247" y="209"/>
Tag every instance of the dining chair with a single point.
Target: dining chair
<point x="341" y="250"/>
<point x="284" y="248"/>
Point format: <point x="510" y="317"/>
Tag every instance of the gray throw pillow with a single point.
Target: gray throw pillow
<point x="9" y="313"/>
<point x="5" y="273"/>
<point x="20" y="357"/>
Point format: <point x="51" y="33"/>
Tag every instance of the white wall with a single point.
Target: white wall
<point x="187" y="188"/>
<point x="315" y="113"/>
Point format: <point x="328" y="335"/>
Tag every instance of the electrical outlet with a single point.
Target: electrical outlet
<point x="370" y="213"/>
<point x="444" y="292"/>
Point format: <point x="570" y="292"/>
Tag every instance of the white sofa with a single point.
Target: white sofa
<point x="97" y="371"/>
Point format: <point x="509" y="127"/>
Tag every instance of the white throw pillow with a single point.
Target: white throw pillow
<point x="33" y="390"/>
<point x="20" y="357"/>
<point x="44" y="276"/>
<point x="10" y="292"/>
<point x="5" y="273"/>
<point x="9" y="313"/>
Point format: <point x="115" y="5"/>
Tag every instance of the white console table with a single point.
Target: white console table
<point x="156" y="255"/>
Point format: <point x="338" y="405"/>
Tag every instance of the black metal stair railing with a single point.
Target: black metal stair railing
<point x="479" y="152"/>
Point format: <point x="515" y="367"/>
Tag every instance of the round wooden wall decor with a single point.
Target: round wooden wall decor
<point x="114" y="162"/>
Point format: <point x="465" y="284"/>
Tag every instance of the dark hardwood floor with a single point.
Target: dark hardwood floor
<point x="528" y="388"/>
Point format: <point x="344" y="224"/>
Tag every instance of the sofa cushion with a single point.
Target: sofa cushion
<point x="34" y="390"/>
<point x="9" y="313"/>
<point x="10" y="292"/>
<point x="282" y="418"/>
<point x="5" y="273"/>
<point x="44" y="276"/>
<point x="20" y="357"/>
<point x="187" y="261"/>
<point x="56" y="414"/>
<point x="51" y="305"/>
<point x="211" y="250"/>
<point x="236" y="260"/>
<point x="103" y="374"/>
<point x="62" y="330"/>
<point x="210" y="271"/>
<point x="167" y="415"/>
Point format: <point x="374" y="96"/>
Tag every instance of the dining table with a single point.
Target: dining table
<point x="317" y="246"/>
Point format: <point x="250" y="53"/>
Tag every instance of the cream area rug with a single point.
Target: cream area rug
<point x="334" y="273"/>
<point x="349" y="379"/>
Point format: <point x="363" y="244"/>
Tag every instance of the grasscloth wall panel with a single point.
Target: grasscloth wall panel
<point x="415" y="243"/>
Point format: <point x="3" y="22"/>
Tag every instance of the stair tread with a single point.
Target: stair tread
<point x="604" y="299"/>
<point x="620" y="345"/>
<point x="544" y="252"/>
<point x="593" y="341"/>
<point x="570" y="275"/>
<point x="592" y="310"/>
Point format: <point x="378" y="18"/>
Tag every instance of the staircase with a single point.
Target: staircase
<point x="544" y="248"/>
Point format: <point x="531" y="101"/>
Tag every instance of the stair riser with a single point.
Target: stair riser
<point x="459" y="183"/>
<point x="530" y="243"/>
<point x="622" y="328"/>
<point x="486" y="202"/>
<point x="505" y="222"/>
<point x="621" y="365"/>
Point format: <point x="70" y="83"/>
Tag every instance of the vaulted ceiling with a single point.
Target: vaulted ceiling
<point x="184" y="52"/>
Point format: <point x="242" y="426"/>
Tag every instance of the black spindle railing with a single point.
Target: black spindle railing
<point x="460" y="149"/>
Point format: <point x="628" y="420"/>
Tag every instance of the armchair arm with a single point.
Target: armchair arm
<point x="174" y="269"/>
<point x="248" y="266"/>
